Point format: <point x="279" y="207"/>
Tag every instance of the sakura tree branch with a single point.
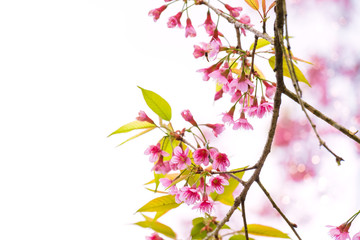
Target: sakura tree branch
<point x="238" y="24"/>
<point x="298" y="92"/>
<point x="267" y="148"/>
<point x="292" y="225"/>
<point x="322" y="116"/>
<point x="244" y="218"/>
<point x="235" y="171"/>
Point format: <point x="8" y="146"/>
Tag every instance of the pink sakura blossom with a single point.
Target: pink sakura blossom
<point x="235" y="12"/>
<point x="217" y="128"/>
<point x="341" y="232"/>
<point x="154" y="236"/>
<point x="186" y="114"/>
<point x="218" y="94"/>
<point x="161" y="167"/>
<point x="236" y="96"/>
<point x="157" y="12"/>
<point x="356" y="236"/>
<point x="222" y="75"/>
<point x="155" y="152"/>
<point x="201" y="156"/>
<point x="144" y="118"/>
<point x="229" y="116"/>
<point x="242" y="122"/>
<point x="242" y="84"/>
<point x="221" y="161"/>
<point x="189" y="195"/>
<point x="205" y="205"/>
<point x="211" y="50"/>
<point x="217" y="184"/>
<point x="209" y="24"/>
<point x="189" y="29"/>
<point x="252" y="111"/>
<point x="245" y="19"/>
<point x="209" y="70"/>
<point x="175" y="21"/>
<point x="270" y="89"/>
<point x="264" y="107"/>
<point x="180" y="159"/>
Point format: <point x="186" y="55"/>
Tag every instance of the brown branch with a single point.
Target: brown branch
<point x="292" y="225"/>
<point x="244" y="218"/>
<point x="322" y="116"/>
<point x="238" y="24"/>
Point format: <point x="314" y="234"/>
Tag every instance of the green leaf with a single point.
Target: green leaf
<point x="300" y="76"/>
<point x="157" y="227"/>
<point x="227" y="197"/>
<point x="239" y="237"/>
<point x="254" y="4"/>
<point x="137" y="135"/>
<point x="157" y="104"/>
<point x="261" y="230"/>
<point x="133" y="126"/>
<point x="260" y="43"/>
<point x="160" y="204"/>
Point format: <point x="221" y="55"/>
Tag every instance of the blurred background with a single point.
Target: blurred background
<point x="69" y="73"/>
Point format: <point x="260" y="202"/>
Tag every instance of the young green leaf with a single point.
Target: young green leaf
<point x="157" y="227"/>
<point x="160" y="204"/>
<point x="260" y="43"/>
<point x="133" y="126"/>
<point x="239" y="237"/>
<point x="254" y="4"/>
<point x="157" y="104"/>
<point x="300" y="76"/>
<point x="261" y="230"/>
<point x="137" y="135"/>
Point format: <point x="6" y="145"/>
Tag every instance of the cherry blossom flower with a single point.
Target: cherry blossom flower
<point x="211" y="50"/>
<point x="144" y="118"/>
<point x="217" y="184"/>
<point x="218" y="94"/>
<point x="221" y="161"/>
<point x="222" y="75"/>
<point x="180" y="159"/>
<point x="154" y="236"/>
<point x="201" y="156"/>
<point x="356" y="236"/>
<point x="245" y="19"/>
<point x="229" y="116"/>
<point x="189" y="29"/>
<point x="186" y="114"/>
<point x="200" y="51"/>
<point x="242" y="122"/>
<point x="189" y="195"/>
<point x="209" y="24"/>
<point x="341" y="232"/>
<point x="264" y="107"/>
<point x="217" y="128"/>
<point x="242" y="84"/>
<point x="209" y="70"/>
<point x="253" y="110"/>
<point x="235" y="12"/>
<point x="205" y="205"/>
<point x="175" y="21"/>
<point x="157" y="12"/>
<point x="161" y="167"/>
<point x="155" y="152"/>
<point x="270" y="89"/>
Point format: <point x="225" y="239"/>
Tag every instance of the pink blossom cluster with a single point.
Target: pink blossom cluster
<point x="342" y="232"/>
<point x="198" y="193"/>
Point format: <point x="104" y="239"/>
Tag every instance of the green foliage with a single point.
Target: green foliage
<point x="160" y="204"/>
<point x="260" y="43"/>
<point x="227" y="197"/>
<point x="133" y="126"/>
<point x="261" y="230"/>
<point x="157" y="227"/>
<point x="239" y="237"/>
<point x="199" y="230"/>
<point x="300" y="76"/>
<point x="157" y="104"/>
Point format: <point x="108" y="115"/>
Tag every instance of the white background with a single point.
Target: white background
<point x="69" y="71"/>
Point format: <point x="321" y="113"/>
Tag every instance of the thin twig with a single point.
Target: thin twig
<point x="292" y="225"/>
<point x="322" y="116"/>
<point x="238" y="24"/>
<point x="235" y="171"/>
<point x="244" y="219"/>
